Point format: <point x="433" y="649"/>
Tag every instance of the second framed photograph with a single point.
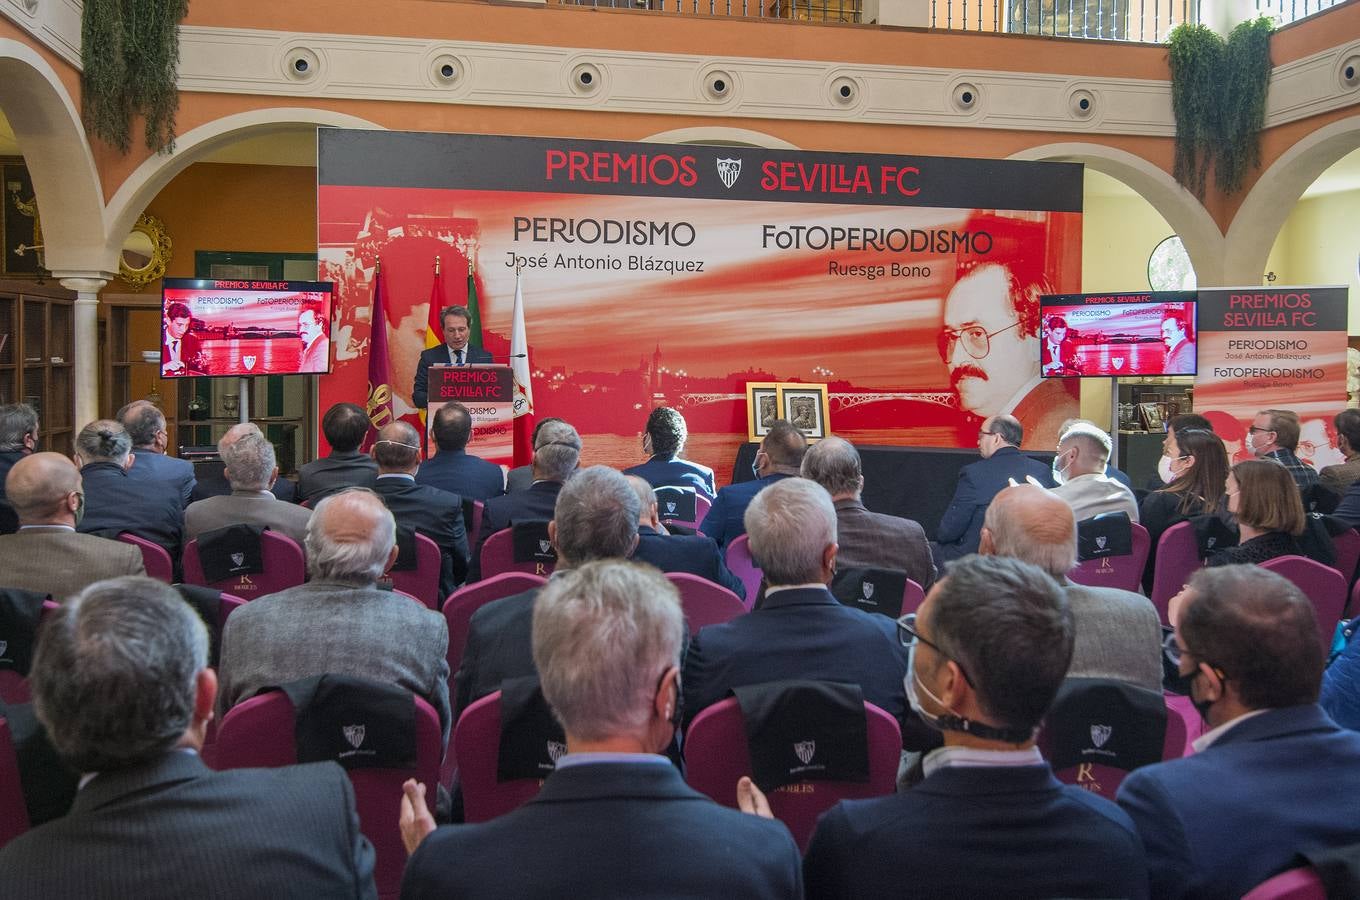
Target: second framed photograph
<point x="805" y="406"/>
<point x="762" y="408"/>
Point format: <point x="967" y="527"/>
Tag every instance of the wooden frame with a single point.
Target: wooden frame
<point x="807" y="408"/>
<point x="762" y="407"/>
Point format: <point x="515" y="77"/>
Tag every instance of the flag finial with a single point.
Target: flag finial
<point x="436" y="265"/>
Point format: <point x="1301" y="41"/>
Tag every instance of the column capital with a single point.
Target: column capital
<point x="90" y="282"/>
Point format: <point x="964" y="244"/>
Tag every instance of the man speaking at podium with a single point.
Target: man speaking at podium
<point x="453" y="352"/>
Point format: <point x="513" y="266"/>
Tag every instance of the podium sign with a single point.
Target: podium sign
<point x="487" y="391"/>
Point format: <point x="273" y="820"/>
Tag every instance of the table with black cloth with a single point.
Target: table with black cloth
<point x="911" y="482"/>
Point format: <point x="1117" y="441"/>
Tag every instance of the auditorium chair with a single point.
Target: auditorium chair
<point x="469" y="598"/>
<point x="704" y="602"/>
<point x="476" y="747"/>
<point x="740" y="564"/>
<point x="1177" y="559"/>
<point x="422" y="582"/>
<point x="498" y="556"/>
<point x="284" y="567"/>
<point x="1347" y="546"/>
<point x="1191" y="725"/>
<point x="1123" y="572"/>
<point x="1321" y="584"/>
<point x="13" y="686"/>
<point x="13" y="813"/>
<point x="1295" y="884"/>
<point x="701" y="507"/>
<point x="155" y="558"/>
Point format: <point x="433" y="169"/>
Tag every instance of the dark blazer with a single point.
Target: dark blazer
<point x="535" y="504"/>
<point x="325" y="476"/>
<point x="1158" y="512"/>
<point x="49" y="785"/>
<point x="9" y="520"/>
<point x="461" y="473"/>
<point x="436" y="514"/>
<point x="1220" y="822"/>
<point x="696" y="554"/>
<point x="797" y="633"/>
<point x="675" y="472"/>
<point x="1012" y="832"/>
<point x="519" y="479"/>
<point x="439" y="356"/>
<point x="961" y="527"/>
<point x="1348" y="510"/>
<point x="725" y="521"/>
<point x="173" y="828"/>
<point x="879" y="541"/>
<point x="148" y="464"/>
<point x="116" y="501"/>
<point x="609" y="830"/>
<point x="499" y="646"/>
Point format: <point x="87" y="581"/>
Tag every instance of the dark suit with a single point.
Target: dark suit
<point x="116" y="501"/>
<point x="519" y="479"/>
<point x="725" y="521"/>
<point x="49" y="785"/>
<point x="535" y="504"/>
<point x="798" y="633"/>
<point x="879" y="541"/>
<point x="696" y="554"/>
<point x="436" y="514"/>
<point x="1218" y="823"/>
<point x="961" y="527"/>
<point x="499" y="646"/>
<point x="440" y="356"/>
<point x="1012" y="832"/>
<point x="190" y="356"/>
<point x="322" y="477"/>
<point x="1348" y="510"/>
<point x="150" y="465"/>
<point x="461" y="473"/>
<point x="172" y="828"/>
<point x="9" y="520"/>
<point x="675" y="472"/>
<point x="609" y="830"/>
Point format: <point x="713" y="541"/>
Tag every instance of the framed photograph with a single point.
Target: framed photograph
<point x="762" y="408"/>
<point x="805" y="406"/>
<point x="1152" y="416"/>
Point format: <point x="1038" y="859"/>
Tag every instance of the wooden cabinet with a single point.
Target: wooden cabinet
<point x="130" y="326"/>
<point x="36" y="366"/>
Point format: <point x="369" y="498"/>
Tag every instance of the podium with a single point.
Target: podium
<point x="487" y="390"/>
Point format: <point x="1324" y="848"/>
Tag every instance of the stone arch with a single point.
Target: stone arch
<point x="737" y="137"/>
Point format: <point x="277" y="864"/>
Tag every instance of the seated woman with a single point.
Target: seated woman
<point x="1263" y="496"/>
<point x="1200" y="466"/>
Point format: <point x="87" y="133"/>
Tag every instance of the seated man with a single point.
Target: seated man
<point x="1079" y="471"/>
<point x="692" y="553"/>
<point x="453" y="469"/>
<point x="122" y="684"/>
<point x="145" y="424"/>
<point x="345" y="426"/>
<point x="520" y="477"/>
<point x="215" y="484"/>
<point x="339" y="622"/>
<point x="18" y="438"/>
<point x="664" y="441"/>
<point x="989" y="820"/>
<point x="1264" y="782"/>
<point x="252" y="471"/>
<point x="615" y="818"/>
<point x="1340" y="477"/>
<point x="115" y="501"/>
<point x="780" y="454"/>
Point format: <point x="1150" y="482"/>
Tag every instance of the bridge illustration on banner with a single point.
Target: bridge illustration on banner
<point x="838" y="401"/>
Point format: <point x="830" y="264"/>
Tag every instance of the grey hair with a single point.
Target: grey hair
<point x="790" y="523"/>
<point x="250" y="463"/>
<point x="557" y="452"/>
<point x="143" y="420"/>
<point x="115" y="673"/>
<point x="104" y="440"/>
<point x="1041" y="531"/>
<point x="358" y="563"/>
<point x="646" y="494"/>
<point x="1093" y="438"/>
<point x="234" y="434"/>
<point x="603" y="637"/>
<point x="596" y="516"/>
<point x="17" y="421"/>
<point x="834" y="464"/>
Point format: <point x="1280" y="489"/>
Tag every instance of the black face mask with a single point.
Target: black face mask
<point x="678" y="714"/>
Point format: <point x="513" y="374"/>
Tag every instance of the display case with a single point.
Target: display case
<point x="36" y="366"/>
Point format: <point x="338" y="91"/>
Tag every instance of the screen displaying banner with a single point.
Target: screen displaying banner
<point x="669" y="274"/>
<point x="1149" y="333"/>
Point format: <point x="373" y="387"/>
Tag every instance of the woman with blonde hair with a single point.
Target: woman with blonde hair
<point x="1264" y="498"/>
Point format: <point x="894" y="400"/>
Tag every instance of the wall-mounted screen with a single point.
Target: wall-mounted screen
<point x="1086" y="335"/>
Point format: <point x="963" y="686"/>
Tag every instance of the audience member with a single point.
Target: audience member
<point x="18" y="438"/>
<point x="121" y="681"/>
<point x="999" y="443"/>
<point x="615" y="818"/>
<point x="251" y="470"/>
<point x="46" y="554"/>
<point x="1173" y="425"/>
<point x="663" y="442"/>
<point x="1118" y="633"/>
<point x="1274" y="434"/>
<point x="214" y="484"/>
<point x="115" y="501"/>
<point x="1199" y="466"/>
<point x="345" y="426"/>
<point x="696" y="554"/>
<point x="1265" y="781"/>
<point x="339" y="622"/>
<point x="1111" y="470"/>
<point x="521" y="477"/>
<point x="780" y="454"/>
<point x="146" y="425"/>
<point x="868" y="539"/>
<point x="989" y="820"/>
<point x="1263" y="498"/>
<point x="1339" y="477"/>
<point x="1079" y="473"/>
<point x="453" y="469"/>
<point x="800" y="630"/>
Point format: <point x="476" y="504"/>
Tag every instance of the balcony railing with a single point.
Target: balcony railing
<point x="1148" y="21"/>
<point x="847" y="11"/>
<point x="1286" y="11"/>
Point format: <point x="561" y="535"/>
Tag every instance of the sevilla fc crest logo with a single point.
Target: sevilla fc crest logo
<point x="249" y="362"/>
<point x="1100" y="734"/>
<point x="354" y="734"/>
<point x="729" y="170"/>
<point x="805" y="750"/>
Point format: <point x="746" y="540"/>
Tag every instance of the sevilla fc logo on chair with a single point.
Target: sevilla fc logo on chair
<point x="555" y="750"/>
<point x="805" y="750"/>
<point x="237" y="559"/>
<point x="729" y="170"/>
<point x="1100" y="734"/>
<point x="543" y="546"/>
<point x="4" y="645"/>
<point x="354" y="734"/>
<point x="670" y="507"/>
<point x="868" y="589"/>
<point x="1100" y="542"/>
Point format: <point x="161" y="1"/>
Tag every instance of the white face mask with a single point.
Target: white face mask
<point x="1164" y="470"/>
<point x="1060" y="474"/>
<point x="910" y="682"/>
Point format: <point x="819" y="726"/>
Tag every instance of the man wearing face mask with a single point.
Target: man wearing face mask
<point x="1079" y="473"/>
<point x="987" y="792"/>
<point x="1274" y="434"/>
<point x="1265" y="780"/>
<point x="47" y="554"/>
<point x="779" y="457"/>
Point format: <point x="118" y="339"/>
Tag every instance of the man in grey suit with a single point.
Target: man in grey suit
<point x="1119" y="634"/>
<point x="345" y="426"/>
<point x="251" y="470"/>
<point x="46" y="554"/>
<point x="869" y="539"/>
<point x="130" y="711"/>
<point x="340" y="622"/>
<point x="145" y="424"/>
<point x="1079" y="470"/>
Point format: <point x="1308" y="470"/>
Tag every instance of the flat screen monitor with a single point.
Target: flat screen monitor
<point x="1103" y="335"/>
<point x="219" y="327"/>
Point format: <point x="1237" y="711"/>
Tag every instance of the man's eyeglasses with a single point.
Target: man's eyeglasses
<point x="1254" y="430"/>
<point x="908" y="635"/>
<point x="977" y="341"/>
<point x="1174" y="654"/>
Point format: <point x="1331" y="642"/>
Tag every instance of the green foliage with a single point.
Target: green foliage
<point x="129" y="54"/>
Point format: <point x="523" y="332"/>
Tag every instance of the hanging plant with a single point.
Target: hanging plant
<point x="1247" y="67"/>
<point x="129" y="55"/>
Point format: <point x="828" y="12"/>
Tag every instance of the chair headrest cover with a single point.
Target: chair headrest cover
<point x="1108" y="534"/>
<point x="531" y="737"/>
<point x="675" y="503"/>
<point x="872" y="590"/>
<point x="19" y="614"/>
<point x="357" y="722"/>
<point x="1106" y="722"/>
<point x="531" y="542"/>
<point x="207" y="602"/>
<point x="227" y="552"/>
<point x="805" y="731"/>
<point x="406" y="549"/>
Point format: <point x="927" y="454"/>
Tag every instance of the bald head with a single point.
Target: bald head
<point x="647" y="499"/>
<point x="397" y="449"/>
<point x="351" y="538"/>
<point x="234" y="434"/>
<point x="1029" y="523"/>
<point x="42" y="487"/>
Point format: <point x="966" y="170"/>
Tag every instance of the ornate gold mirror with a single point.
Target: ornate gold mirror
<point x="146" y="252"/>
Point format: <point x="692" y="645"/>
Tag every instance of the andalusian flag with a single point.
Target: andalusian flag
<point x="379" y="389"/>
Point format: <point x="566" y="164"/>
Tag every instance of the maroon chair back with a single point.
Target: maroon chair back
<point x="155" y="558"/>
<point x="1111" y="725"/>
<point x="716" y="755"/>
<point x="14" y="688"/>
<point x="226" y="606"/>
<point x="1295" y="884"/>
<point x="1183" y="720"/>
<point x="498" y="555"/>
<point x="704" y="602"/>
<point x="13" y="813"/>
<point x="912" y="597"/>
<point x="1123" y="572"/>
<point x="1321" y="584"/>
<point x="1177" y="559"/>
<point x="476" y="745"/>
<point x="422" y="582"/>
<point x="1347" y="546"/>
<point x="469" y="598"/>
<point x="284" y="567"/>
<point x="258" y="733"/>
<point x="740" y="564"/>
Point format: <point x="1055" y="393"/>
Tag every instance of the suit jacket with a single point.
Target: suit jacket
<point x="436" y="514"/>
<point x="499" y="646"/>
<point x="1065" y="363"/>
<point x="172" y="828"/>
<point x="696" y="554"/>
<point x="535" y="504"/>
<point x="316" y="356"/>
<point x="319" y="628"/>
<point x="152" y="466"/>
<point x="881" y="541"/>
<point x="1341" y="476"/>
<point x="116" y="501"/>
<point x="1119" y="635"/>
<point x="1220" y="822"/>
<point x="609" y="830"/>
<point x="797" y="633"/>
<point x="216" y="485"/>
<point x="190" y="355"/>
<point x="1158" y="512"/>
<point x="9" y="520"/>
<point x="439" y="356"/>
<point x="1092" y="495"/>
<point x="249" y="508"/>
<point x="1348" y="510"/>
<point x="960" y="833"/>
<point x="52" y="560"/>
<point x="961" y="527"/>
<point x="519" y="479"/>
<point x="1045" y="408"/>
<point x="725" y="521"/>
<point x="461" y="473"/>
<point x="675" y="472"/>
<point x="329" y="474"/>
<point x="49" y="785"/>
<point x="1181" y="361"/>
